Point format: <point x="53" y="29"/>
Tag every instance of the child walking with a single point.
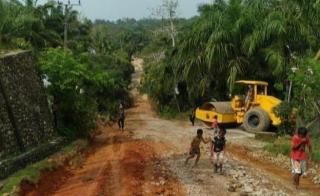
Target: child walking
<point x="121" y="116"/>
<point x="217" y="150"/>
<point x="299" y="157"/>
<point x="195" y="147"/>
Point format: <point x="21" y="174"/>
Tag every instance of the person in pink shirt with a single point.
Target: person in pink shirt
<point x="299" y="143"/>
<point x="215" y="126"/>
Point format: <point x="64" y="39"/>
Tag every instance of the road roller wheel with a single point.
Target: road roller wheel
<point x="256" y="120"/>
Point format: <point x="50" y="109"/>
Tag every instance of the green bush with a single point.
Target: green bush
<point x="114" y="77"/>
<point x="285" y="111"/>
<point x="70" y="89"/>
<point x="81" y="87"/>
<point x="315" y="151"/>
<point x="316" y="156"/>
<point x="279" y="146"/>
<point x="168" y="112"/>
<point x="172" y="113"/>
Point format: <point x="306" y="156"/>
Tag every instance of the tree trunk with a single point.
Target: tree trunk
<point x="317" y="57"/>
<point x="172" y="33"/>
<point x="313" y="121"/>
<point x="177" y="102"/>
<point x="289" y="93"/>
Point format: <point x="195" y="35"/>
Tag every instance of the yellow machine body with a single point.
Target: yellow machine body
<point x="235" y="111"/>
<point x="222" y="110"/>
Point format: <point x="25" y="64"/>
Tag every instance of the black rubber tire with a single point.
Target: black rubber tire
<point x="256" y="120"/>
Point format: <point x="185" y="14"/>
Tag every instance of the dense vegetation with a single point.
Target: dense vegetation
<point x="87" y="78"/>
<point x="270" y="40"/>
<point x="188" y="61"/>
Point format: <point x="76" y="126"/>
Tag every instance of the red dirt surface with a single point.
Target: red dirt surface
<point x="45" y="187"/>
<point x="119" y="166"/>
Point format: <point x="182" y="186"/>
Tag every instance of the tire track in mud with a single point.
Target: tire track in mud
<point x="109" y="181"/>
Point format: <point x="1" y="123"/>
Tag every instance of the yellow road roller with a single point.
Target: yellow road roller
<point x="254" y="110"/>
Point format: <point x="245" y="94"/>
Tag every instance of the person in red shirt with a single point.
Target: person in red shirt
<point x="299" y="143"/>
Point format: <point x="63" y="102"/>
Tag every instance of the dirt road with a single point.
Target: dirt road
<point x="148" y="159"/>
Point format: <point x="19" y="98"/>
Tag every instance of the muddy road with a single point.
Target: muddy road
<point x="148" y="159"/>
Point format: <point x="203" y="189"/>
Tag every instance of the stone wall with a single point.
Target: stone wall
<point x="25" y="118"/>
<point x="8" y="143"/>
<point x="12" y="164"/>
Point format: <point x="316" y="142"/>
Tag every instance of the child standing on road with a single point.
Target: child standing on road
<point x="195" y="147"/>
<point x="192" y="116"/>
<point x="217" y="150"/>
<point x="299" y="157"/>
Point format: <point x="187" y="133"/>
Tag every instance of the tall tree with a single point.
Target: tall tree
<point x="168" y="14"/>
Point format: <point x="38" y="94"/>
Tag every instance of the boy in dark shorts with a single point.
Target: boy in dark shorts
<point x="195" y="147"/>
<point x="217" y="150"/>
<point x="299" y="156"/>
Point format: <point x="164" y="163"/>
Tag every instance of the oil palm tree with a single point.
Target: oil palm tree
<point x="280" y="36"/>
<point x="213" y="51"/>
<point x="25" y="23"/>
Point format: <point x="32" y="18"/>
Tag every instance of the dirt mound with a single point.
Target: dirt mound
<point x="48" y="183"/>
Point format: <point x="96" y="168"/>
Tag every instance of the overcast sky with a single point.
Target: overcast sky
<point x="115" y="9"/>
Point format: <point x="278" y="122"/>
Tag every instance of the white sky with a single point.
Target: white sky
<point x="115" y="9"/>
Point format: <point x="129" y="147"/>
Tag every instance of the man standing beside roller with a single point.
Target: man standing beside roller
<point x="249" y="97"/>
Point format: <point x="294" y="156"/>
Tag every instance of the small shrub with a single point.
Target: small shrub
<point x="279" y="146"/>
<point x="285" y="112"/>
<point x="315" y="151"/>
<point x="172" y="113"/>
<point x="316" y="156"/>
<point x="168" y="112"/>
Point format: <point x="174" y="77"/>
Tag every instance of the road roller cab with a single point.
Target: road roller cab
<point x="254" y="110"/>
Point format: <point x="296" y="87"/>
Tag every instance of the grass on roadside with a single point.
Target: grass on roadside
<point x="316" y="151"/>
<point x="169" y="113"/>
<point x="282" y="145"/>
<point x="279" y="146"/>
<point x="32" y="172"/>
